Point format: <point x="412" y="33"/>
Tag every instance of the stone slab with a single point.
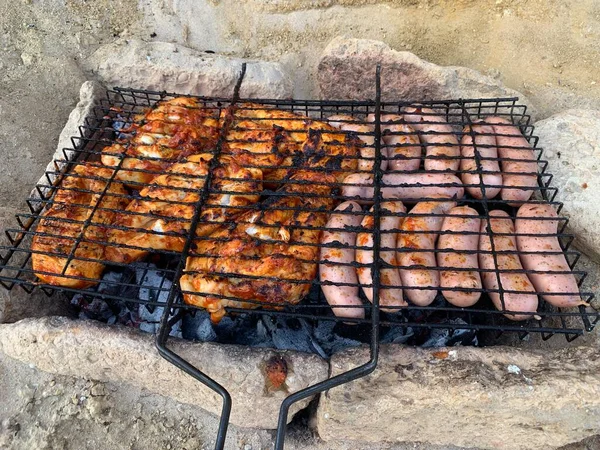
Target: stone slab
<point x="90" y="94"/>
<point x="490" y="398"/>
<point x="109" y="353"/>
<point x="163" y="66"/>
<point x="571" y="143"/>
<point x="347" y="71"/>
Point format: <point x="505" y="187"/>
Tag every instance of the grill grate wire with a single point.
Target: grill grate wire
<point x="113" y="119"/>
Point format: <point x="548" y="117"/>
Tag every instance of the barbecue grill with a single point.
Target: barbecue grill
<point x="122" y="106"/>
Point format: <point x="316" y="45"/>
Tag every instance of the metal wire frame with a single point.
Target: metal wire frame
<point x="124" y="105"/>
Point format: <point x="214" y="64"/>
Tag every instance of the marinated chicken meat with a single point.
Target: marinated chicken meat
<point x="258" y="252"/>
<point x="161" y="218"/>
<point x="268" y="257"/>
<point x="275" y="141"/>
<point x="81" y="209"/>
<point x="172" y="131"/>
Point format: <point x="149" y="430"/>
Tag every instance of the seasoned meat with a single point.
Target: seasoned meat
<point x="268" y="257"/>
<point x="280" y="142"/>
<point x="262" y="253"/>
<point x="161" y="218"/>
<point x="76" y="202"/>
<point x="173" y="130"/>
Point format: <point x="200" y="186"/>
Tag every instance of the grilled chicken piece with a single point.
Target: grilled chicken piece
<point x="161" y="218"/>
<point x="276" y="141"/>
<point x="76" y="202"/>
<point x="268" y="257"/>
<point x="173" y="130"/>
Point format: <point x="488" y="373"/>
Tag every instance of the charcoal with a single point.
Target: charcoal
<point x="449" y="337"/>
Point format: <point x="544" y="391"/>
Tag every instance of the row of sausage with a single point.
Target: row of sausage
<point x="493" y="157"/>
<point x="441" y="246"/>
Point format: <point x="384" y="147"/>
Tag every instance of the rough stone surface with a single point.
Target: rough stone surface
<point x="164" y="66"/>
<point x="17" y="304"/>
<point x="493" y="398"/>
<point x="95" y="351"/>
<point x="571" y="143"/>
<point x="90" y="94"/>
<point x="347" y="71"/>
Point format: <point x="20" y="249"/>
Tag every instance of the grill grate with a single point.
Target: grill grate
<point x="292" y="169"/>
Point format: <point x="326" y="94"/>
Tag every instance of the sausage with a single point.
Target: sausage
<point x="466" y="239"/>
<point x="523" y="300"/>
<point x="425" y="218"/>
<point x="538" y="255"/>
<point x="442" y="151"/>
<point x="389" y="277"/>
<point x="519" y="177"/>
<point x="471" y="172"/>
<point x="408" y="187"/>
<point x="367" y="160"/>
<point x="343" y="255"/>
<point x="403" y="145"/>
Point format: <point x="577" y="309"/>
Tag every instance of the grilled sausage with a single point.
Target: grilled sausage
<point x="442" y="151"/>
<point x="348" y="123"/>
<point x="488" y="170"/>
<point x="403" y="145"/>
<point x="389" y="277"/>
<point x="408" y="187"/>
<point x="521" y="297"/>
<point x="542" y="253"/>
<point x="342" y="256"/>
<point x="519" y="166"/>
<point x="425" y="219"/>
<point x="465" y="239"/>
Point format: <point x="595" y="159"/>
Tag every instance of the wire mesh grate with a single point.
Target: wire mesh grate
<point x="230" y="199"/>
<point x="76" y="173"/>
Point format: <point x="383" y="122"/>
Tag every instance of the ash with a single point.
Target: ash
<point x="144" y="283"/>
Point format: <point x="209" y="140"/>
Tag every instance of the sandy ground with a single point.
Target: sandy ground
<point x="41" y="46"/>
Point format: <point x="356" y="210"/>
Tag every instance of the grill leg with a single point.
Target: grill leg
<point x="176" y="360"/>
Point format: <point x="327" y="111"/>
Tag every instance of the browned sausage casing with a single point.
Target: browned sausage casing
<point x="487" y="172"/>
<point x="460" y="260"/>
<point x="509" y="269"/>
<point x="442" y="151"/>
<point x="419" y="232"/>
<point x="342" y="257"/>
<point x="543" y="254"/>
<point x="519" y="166"/>
<point x="403" y="145"/>
<point x="408" y="187"/>
<point x="390" y="293"/>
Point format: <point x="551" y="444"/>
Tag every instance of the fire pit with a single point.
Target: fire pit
<point x="148" y="293"/>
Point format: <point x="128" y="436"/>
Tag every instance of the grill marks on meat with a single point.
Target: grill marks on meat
<point x="80" y="209"/>
<point x="174" y="130"/>
<point x="262" y="252"/>
<point x="279" y="142"/>
<point x="161" y="218"/>
<point x="269" y="257"/>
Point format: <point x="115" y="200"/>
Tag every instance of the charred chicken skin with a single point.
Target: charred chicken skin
<point x="81" y="209"/>
<point x="275" y="141"/>
<point x="268" y="257"/>
<point x="172" y="131"/>
<point x="161" y="218"/>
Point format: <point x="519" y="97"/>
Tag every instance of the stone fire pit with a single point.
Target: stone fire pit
<point x="540" y="396"/>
